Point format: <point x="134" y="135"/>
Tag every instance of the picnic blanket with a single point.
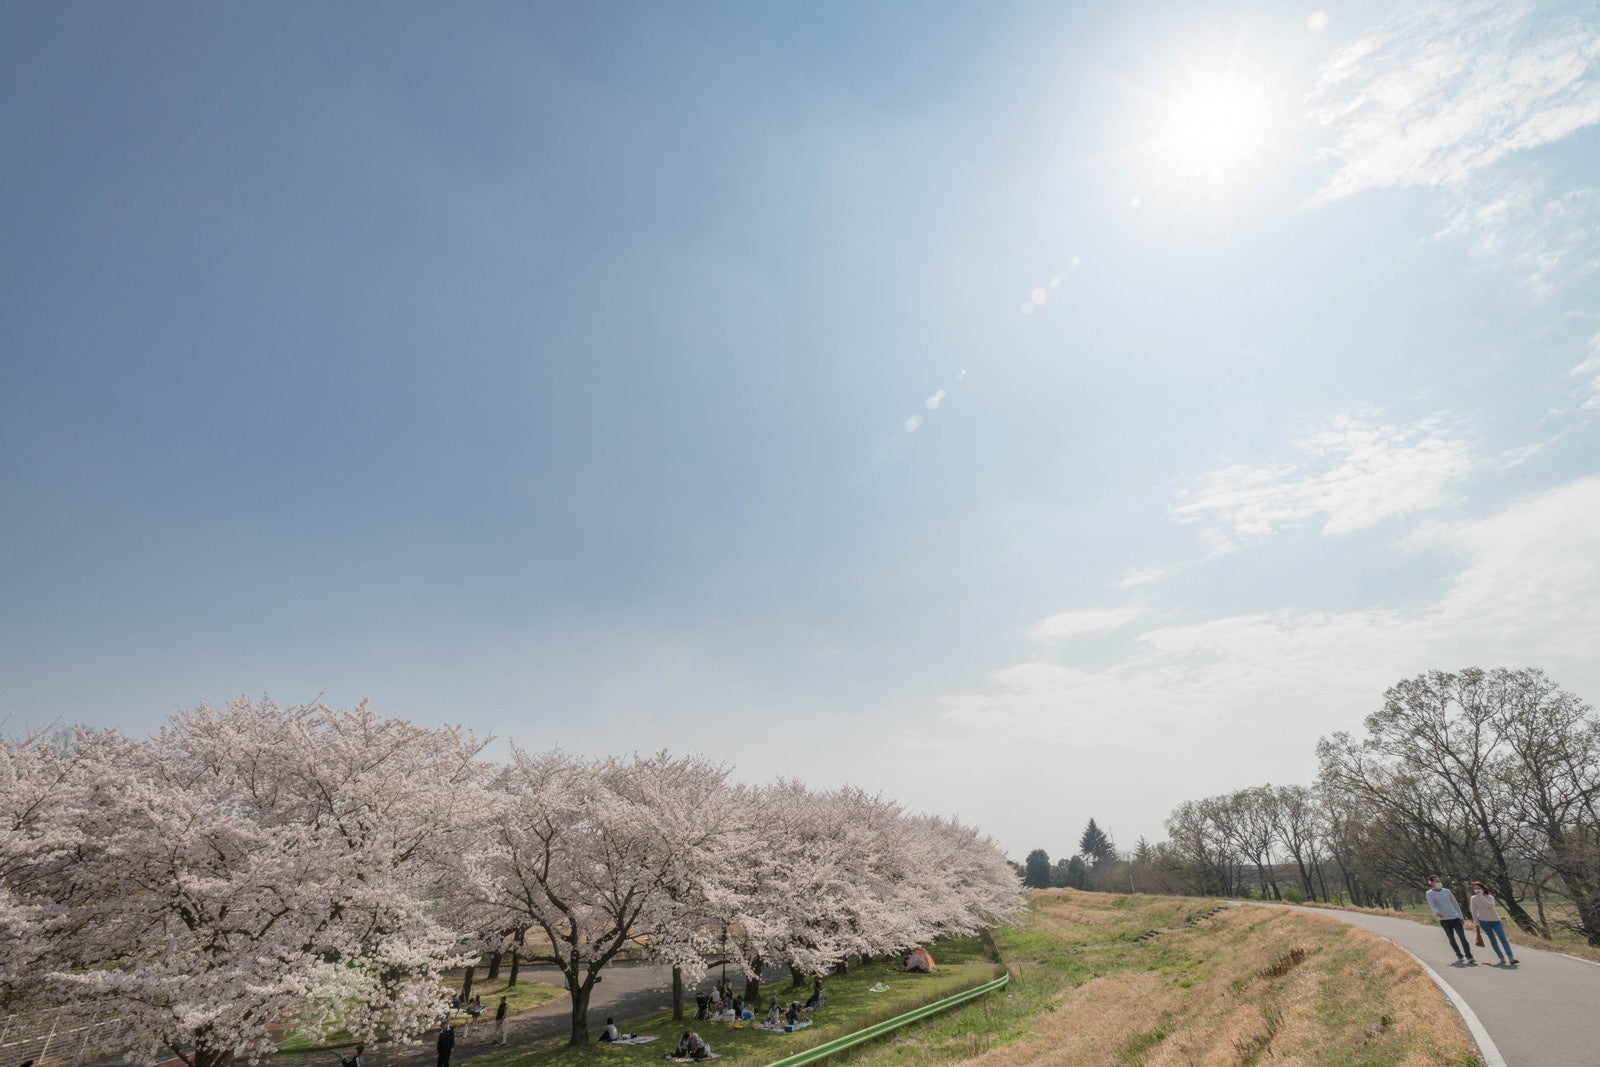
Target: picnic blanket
<point x="782" y="1028"/>
<point x="633" y="1039"/>
<point x="878" y="987"/>
<point x="691" y="1059"/>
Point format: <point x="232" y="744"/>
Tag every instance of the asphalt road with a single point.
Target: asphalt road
<point x="627" y="991"/>
<point x="1543" y="1013"/>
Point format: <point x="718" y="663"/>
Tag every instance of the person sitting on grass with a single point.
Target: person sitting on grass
<point x="817" y="995"/>
<point x="698" y="1049"/>
<point x="774" y="1014"/>
<point x="610" y="1032"/>
<point x="683" y="1045"/>
<point x="792" y="1016"/>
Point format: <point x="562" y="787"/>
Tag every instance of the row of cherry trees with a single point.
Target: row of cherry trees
<point x="1488" y="775"/>
<point x="248" y="865"/>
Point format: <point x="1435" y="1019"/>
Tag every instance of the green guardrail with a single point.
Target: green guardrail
<point x="839" y="1044"/>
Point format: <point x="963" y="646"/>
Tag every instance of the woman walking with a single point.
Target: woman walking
<point x="1482" y="907"/>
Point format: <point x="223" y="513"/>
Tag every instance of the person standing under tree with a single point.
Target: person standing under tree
<point x="1448" y="912"/>
<point x="446" y="1043"/>
<point x="500" y="1022"/>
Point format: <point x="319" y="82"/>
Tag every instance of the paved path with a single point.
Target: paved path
<point x="628" y="991"/>
<point x="1543" y="1013"/>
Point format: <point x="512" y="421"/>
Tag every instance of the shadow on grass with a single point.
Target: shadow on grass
<point x="851" y="1006"/>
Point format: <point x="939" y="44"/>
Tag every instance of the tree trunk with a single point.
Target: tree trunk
<point x="494" y="965"/>
<point x="796" y="979"/>
<point x="516" y="959"/>
<point x="752" y="984"/>
<point x="1322" y="878"/>
<point x="1573" y="858"/>
<point x="1305" y="877"/>
<point x="1538" y="900"/>
<point x="206" y="1056"/>
<point x="580" y="1008"/>
<point x="677" y="994"/>
<point x="1513" y="906"/>
<point x="466" y="982"/>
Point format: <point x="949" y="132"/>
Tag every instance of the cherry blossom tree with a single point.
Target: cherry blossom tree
<point x="39" y="784"/>
<point x="250" y="864"/>
<point x="845" y="873"/>
<point x="593" y="852"/>
<point x="224" y="871"/>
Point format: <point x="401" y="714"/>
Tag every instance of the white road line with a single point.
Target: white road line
<point x="1491" y="1054"/>
<point x="1580" y="959"/>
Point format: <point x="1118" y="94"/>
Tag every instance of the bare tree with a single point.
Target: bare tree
<point x="1293" y="813"/>
<point x="1553" y="774"/>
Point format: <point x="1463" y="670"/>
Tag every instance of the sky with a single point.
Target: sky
<point x="1033" y="412"/>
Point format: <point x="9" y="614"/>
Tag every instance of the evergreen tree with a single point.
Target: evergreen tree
<point x="1077" y="873"/>
<point x="1096" y="845"/>
<point x="1143" y="852"/>
<point x="1037" y="875"/>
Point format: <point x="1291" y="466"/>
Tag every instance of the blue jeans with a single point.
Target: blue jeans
<point x="1496" y="932"/>
<point x="1453" y="930"/>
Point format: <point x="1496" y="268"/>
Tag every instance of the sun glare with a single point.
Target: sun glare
<point x="1216" y="127"/>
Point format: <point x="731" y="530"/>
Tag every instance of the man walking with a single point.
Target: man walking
<point x="1448" y="912"/>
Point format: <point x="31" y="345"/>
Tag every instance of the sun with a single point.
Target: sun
<point x="1217" y="127"/>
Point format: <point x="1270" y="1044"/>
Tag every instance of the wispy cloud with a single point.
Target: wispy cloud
<point x="1532" y="580"/>
<point x="1442" y="90"/>
<point x="1588" y="372"/>
<point x="1526" y="591"/>
<point x="1549" y="239"/>
<point x="1140" y="576"/>
<point x="1353" y="473"/>
<point x="1072" y="623"/>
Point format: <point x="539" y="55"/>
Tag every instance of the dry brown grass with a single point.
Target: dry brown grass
<point x="1228" y="992"/>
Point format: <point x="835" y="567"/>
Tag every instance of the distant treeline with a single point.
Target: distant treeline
<point x="1472" y="775"/>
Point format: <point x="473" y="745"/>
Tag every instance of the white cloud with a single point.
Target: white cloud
<point x="1355" y="473"/>
<point x="1549" y="240"/>
<point x="1589" y="372"/>
<point x="1072" y="623"/>
<point x="1139" y="576"/>
<point x="1239" y="700"/>
<point x="1532" y="585"/>
<point x="1439" y="91"/>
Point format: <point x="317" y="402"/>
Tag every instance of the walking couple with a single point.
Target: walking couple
<point x="1448" y="912"/>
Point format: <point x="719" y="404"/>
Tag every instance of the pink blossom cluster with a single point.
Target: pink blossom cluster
<point x="258" y="864"/>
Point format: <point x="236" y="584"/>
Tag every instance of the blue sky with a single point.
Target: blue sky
<point x="1032" y="411"/>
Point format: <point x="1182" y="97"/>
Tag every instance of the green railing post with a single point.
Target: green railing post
<point x="839" y="1044"/>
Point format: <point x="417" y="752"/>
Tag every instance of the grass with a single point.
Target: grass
<point x="850" y="1007"/>
<point x="1102" y="979"/>
<point x="520" y="997"/>
<point x="1236" y="987"/>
